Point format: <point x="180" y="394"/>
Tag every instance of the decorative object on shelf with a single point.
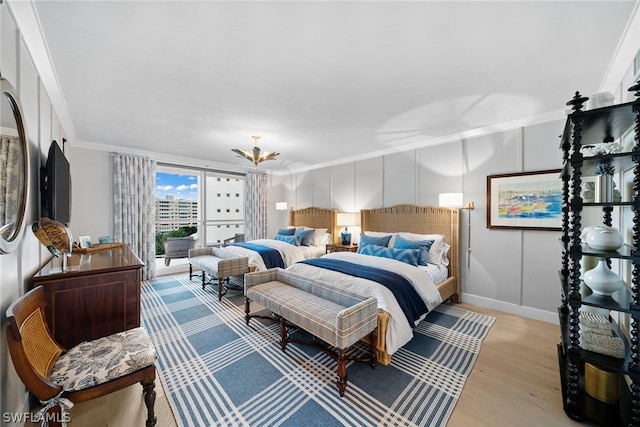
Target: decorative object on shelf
<point x="589" y="193"/>
<point x="604" y="238"/>
<point x="55" y="236"/>
<point x="596" y="335"/>
<point x="601" y="149"/>
<point x="601" y="280"/>
<point x="255" y="155"/>
<point x="603" y="190"/>
<point x="600" y="384"/>
<point x="599" y="100"/>
<point x="347" y="219"/>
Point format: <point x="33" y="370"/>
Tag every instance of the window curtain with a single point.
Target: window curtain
<point x="255" y="206"/>
<point x="134" y="207"/>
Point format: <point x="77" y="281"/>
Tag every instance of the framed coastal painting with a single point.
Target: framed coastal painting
<point x="525" y="201"/>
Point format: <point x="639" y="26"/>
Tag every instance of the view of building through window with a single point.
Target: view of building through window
<point x="190" y="202"/>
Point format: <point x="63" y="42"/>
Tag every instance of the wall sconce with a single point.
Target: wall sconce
<point x="347" y="219"/>
<point x="455" y="200"/>
<point x="281" y="206"/>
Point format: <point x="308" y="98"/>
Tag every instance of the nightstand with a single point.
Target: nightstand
<point x="337" y="247"/>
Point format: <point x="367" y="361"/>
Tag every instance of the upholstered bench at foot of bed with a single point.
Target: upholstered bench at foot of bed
<point x="338" y="317"/>
<point x="218" y="264"/>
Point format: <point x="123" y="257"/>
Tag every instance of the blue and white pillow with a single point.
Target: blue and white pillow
<point x="306" y="237"/>
<point x="409" y="256"/>
<point x="422" y="245"/>
<point x="287" y="231"/>
<point x="292" y="240"/>
<point x="371" y="240"/>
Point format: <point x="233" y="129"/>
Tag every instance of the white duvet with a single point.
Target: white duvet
<point x="290" y="253"/>
<point x="399" y="332"/>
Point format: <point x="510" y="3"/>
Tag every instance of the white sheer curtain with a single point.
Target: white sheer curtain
<point x="255" y="206"/>
<point x="134" y="207"/>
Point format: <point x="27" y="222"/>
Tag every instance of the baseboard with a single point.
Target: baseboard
<point x="533" y="313"/>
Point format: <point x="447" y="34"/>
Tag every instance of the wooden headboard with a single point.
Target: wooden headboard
<point x="316" y="218"/>
<point x="420" y="220"/>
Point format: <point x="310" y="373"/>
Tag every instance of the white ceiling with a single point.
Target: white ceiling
<point x="318" y="81"/>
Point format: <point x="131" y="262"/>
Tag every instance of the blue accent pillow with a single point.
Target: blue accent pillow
<point x="423" y="245"/>
<point x="306" y="237"/>
<point x="287" y="231"/>
<point x="409" y="256"/>
<point x="292" y="240"/>
<point x="370" y="240"/>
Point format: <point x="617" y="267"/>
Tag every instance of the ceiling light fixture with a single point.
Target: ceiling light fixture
<point x="255" y="155"/>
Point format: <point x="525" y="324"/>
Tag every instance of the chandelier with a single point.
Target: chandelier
<point x="255" y="155"/>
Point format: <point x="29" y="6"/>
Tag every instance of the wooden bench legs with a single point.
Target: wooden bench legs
<point x="222" y="289"/>
<point x="339" y="355"/>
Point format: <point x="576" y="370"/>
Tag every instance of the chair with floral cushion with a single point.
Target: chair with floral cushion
<point x="60" y="378"/>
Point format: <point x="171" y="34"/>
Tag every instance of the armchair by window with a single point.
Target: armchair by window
<point x="237" y="238"/>
<point x="178" y="247"/>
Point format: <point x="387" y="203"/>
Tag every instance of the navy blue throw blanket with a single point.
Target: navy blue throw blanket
<point x="270" y="256"/>
<point x="410" y="302"/>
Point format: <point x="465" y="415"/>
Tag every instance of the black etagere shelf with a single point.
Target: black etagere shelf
<point x="583" y="129"/>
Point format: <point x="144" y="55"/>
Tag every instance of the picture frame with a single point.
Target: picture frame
<point x="84" y="241"/>
<point x="525" y="200"/>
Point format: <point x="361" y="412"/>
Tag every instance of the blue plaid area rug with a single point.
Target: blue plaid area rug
<point x="217" y="371"/>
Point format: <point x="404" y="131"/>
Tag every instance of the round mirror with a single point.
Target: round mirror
<point x="14" y="169"/>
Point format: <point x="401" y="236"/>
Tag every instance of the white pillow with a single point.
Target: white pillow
<point x="326" y="239"/>
<point x="319" y="236"/>
<point x="439" y="249"/>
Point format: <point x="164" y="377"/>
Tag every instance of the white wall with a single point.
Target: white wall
<point x="512" y="270"/>
<point x="17" y="268"/>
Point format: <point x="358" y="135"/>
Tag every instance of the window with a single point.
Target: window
<point x="190" y="201"/>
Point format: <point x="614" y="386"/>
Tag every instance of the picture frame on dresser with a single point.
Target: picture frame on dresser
<point x="525" y="200"/>
<point x="84" y="242"/>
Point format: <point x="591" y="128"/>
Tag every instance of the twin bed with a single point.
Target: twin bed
<point x="322" y="221"/>
<point x="433" y="283"/>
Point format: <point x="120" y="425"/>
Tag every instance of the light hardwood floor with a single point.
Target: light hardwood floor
<point x="515" y="382"/>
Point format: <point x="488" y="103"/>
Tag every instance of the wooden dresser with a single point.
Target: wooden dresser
<point x="98" y="295"/>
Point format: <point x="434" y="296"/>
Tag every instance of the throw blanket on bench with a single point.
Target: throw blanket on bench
<point x="271" y="257"/>
<point x="410" y="302"/>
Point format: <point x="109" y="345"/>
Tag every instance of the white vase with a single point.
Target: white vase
<point x="602" y="280"/>
<point x="604" y="238"/>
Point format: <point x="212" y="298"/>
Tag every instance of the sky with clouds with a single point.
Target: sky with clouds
<point x="177" y="185"/>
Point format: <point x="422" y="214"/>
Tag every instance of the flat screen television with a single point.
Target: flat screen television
<point x="55" y="186"/>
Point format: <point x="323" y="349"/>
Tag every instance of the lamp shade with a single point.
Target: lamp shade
<point x="281" y="206"/>
<point x="346" y="219"/>
<point x="450" y="200"/>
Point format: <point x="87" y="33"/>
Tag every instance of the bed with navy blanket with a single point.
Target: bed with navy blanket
<point x="405" y="292"/>
<point x="267" y="253"/>
<point x="434" y="282"/>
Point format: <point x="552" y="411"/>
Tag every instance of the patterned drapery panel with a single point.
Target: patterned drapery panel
<point x="255" y="206"/>
<point x="134" y="207"/>
<point x="10" y="178"/>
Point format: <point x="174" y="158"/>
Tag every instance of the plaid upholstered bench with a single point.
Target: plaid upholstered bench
<point x="337" y="316"/>
<point x="218" y="264"/>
